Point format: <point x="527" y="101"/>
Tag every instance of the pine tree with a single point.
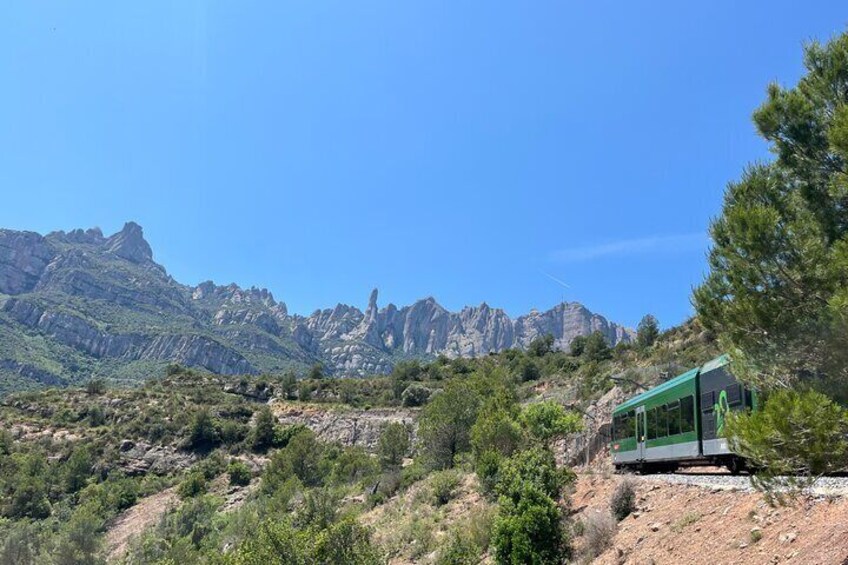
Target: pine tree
<point x="776" y="293"/>
<point x="647" y="331"/>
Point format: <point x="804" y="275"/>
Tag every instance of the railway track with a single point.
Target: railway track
<point x="825" y="486"/>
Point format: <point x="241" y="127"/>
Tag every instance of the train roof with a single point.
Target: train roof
<point x="679" y="379"/>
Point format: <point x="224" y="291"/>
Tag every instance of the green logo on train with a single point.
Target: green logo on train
<point x="721" y="408"/>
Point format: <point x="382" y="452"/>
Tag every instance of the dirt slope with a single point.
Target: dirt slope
<point x="135" y="520"/>
<point x="679" y="524"/>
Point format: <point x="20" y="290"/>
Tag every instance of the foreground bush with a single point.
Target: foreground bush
<point x="801" y="435"/>
<point x="598" y="533"/>
<point x="623" y="500"/>
<point x="529" y="525"/>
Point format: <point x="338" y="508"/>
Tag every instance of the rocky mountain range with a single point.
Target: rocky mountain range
<point x="78" y="304"/>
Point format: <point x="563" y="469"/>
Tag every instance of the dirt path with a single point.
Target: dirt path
<point x="135" y="520"/>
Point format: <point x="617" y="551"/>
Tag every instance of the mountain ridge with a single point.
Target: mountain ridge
<point x="75" y="304"/>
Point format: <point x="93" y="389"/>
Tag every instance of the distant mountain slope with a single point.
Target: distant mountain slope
<point x="78" y="304"/>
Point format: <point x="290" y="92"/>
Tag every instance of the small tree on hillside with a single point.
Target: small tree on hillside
<point x="548" y="421"/>
<point x="263" y="433"/>
<point x="578" y="345"/>
<point x="647" y="332"/>
<point x="596" y="348"/>
<point x="317" y="371"/>
<point x="445" y="424"/>
<point x="394" y="444"/>
<point x="541" y="345"/>
<point x="203" y="433"/>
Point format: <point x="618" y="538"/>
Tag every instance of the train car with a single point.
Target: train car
<point x="681" y="422"/>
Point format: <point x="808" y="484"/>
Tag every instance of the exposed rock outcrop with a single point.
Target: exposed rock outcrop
<point x="348" y="427"/>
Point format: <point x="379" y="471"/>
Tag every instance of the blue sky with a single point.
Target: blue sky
<point x="514" y="153"/>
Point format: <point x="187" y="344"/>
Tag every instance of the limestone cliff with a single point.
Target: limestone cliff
<point x="78" y="304"/>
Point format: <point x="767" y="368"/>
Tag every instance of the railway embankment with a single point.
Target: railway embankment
<point x="702" y="518"/>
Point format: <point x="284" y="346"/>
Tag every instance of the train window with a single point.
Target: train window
<point x="734" y="394"/>
<point x="673" y="415"/>
<point x="618" y="426"/>
<point x="687" y="414"/>
<point x="631" y="424"/>
<point x="651" y="432"/>
<point x="662" y="421"/>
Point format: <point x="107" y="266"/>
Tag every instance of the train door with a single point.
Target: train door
<point x="640" y="433"/>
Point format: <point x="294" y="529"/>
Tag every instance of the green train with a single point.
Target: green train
<point x="681" y="422"/>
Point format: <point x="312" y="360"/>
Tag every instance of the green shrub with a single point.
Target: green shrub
<point x="264" y="431"/>
<point x="394" y="444"/>
<point x="445" y="424"/>
<point x="529" y="530"/>
<point x="443" y="486"/>
<point x="79" y="540"/>
<point x="95" y="386"/>
<point x="353" y="464"/>
<point x="346" y="542"/>
<point x="546" y="421"/>
<point x="233" y="432"/>
<point x="76" y="470"/>
<point x="415" y="395"/>
<point x="459" y="550"/>
<point x="193" y="485"/>
<point x="796" y="437"/>
<point x="239" y="473"/>
<point x="203" y="431"/>
<point x="623" y="500"/>
<point x="320" y="508"/>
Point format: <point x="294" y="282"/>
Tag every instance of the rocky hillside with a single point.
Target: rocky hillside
<point x="78" y="304"/>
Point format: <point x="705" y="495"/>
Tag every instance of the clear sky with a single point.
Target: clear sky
<point x="472" y="151"/>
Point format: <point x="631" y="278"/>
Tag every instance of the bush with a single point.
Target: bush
<point x="541" y="346"/>
<point x="96" y="416"/>
<point x="233" y="433"/>
<point x="79" y="541"/>
<point x="203" y="433"/>
<point x="443" y="485"/>
<point x="460" y="550"/>
<point x="535" y="467"/>
<point x="288" y="385"/>
<point x="193" y="485"/>
<point x="596" y="347"/>
<point x="394" y="444"/>
<point x="598" y="533"/>
<point x="320" y="508"/>
<point x="95" y="386"/>
<point x="301" y="458"/>
<point x="353" y="464"/>
<point x="76" y="470"/>
<point x="239" y="473"/>
<point x="304" y="391"/>
<point x="623" y="500"/>
<point x="800" y="435"/>
<point x="528" y="528"/>
<point x="529" y="531"/>
<point x="548" y="420"/>
<point x="415" y="395"/>
<point x="528" y="370"/>
<point x="316" y="372"/>
<point x="263" y="433"/>
<point x="346" y="542"/>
